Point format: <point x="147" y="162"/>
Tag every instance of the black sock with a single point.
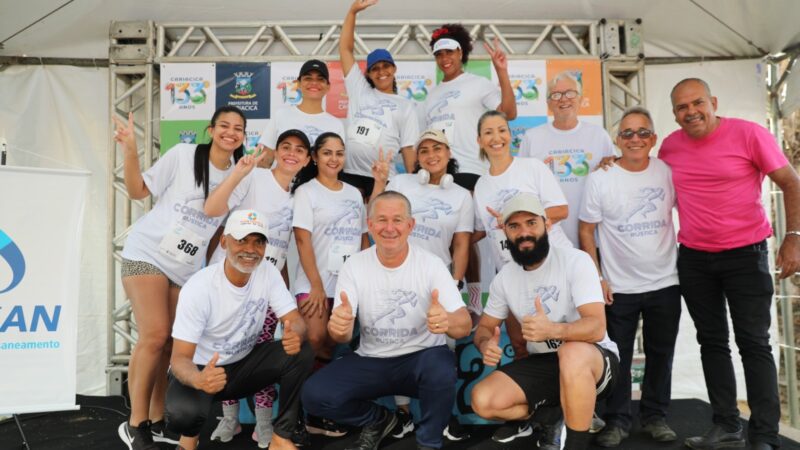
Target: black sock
<point x="577" y="440"/>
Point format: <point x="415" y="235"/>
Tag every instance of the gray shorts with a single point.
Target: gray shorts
<point x="133" y="268"/>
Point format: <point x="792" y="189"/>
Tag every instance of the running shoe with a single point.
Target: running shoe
<point x="405" y="424"/>
<point x="137" y="438"/>
<point x="227" y="428"/>
<point x="324" y="427"/>
<point x="512" y="430"/>
<point x="454" y="431"/>
<point x="162" y="434"/>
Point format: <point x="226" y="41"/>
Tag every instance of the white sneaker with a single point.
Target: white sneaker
<point x="226" y="429"/>
<point x="263" y="431"/>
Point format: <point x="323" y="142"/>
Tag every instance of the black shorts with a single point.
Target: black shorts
<point x="466" y="180"/>
<point x="537" y="375"/>
<point x="360" y="182"/>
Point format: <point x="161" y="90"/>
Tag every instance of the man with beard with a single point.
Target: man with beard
<point x="555" y="294"/>
<point x="221" y="310"/>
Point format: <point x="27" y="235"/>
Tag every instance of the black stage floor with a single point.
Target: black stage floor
<point x="95" y="427"/>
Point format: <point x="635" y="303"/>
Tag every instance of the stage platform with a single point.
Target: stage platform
<point x="95" y="427"/>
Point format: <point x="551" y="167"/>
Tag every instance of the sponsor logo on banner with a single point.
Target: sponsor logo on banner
<point x="245" y="86"/>
<point x="415" y="80"/>
<point x="187" y="136"/>
<point x="187" y="93"/>
<point x="290" y="92"/>
<point x="11" y="253"/>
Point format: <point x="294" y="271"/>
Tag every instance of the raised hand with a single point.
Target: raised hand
<point x="247" y="163"/>
<point x="491" y="351"/>
<point x="438" y="322"/>
<point x="291" y="339"/>
<point x="499" y="59"/>
<point x="380" y="168"/>
<point x="360" y="5"/>
<point x="125" y="134"/>
<point x="536" y="328"/>
<point x="605" y="163"/>
<point x="497" y="216"/>
<point x="211" y="379"/>
<point x="342" y="319"/>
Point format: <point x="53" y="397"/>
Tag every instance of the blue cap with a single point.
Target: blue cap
<point x="378" y="55"/>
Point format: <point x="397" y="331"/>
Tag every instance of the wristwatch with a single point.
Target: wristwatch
<point x="459" y="284"/>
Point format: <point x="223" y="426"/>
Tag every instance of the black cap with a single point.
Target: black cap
<point x="312" y="65"/>
<point x="296" y="133"/>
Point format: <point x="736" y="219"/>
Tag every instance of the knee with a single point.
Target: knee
<point x="438" y="368"/>
<point x="184" y="418"/>
<point x="315" y="394"/>
<point x="305" y="358"/>
<point x="318" y="338"/>
<point x="574" y="361"/>
<point x="481" y="401"/>
<point x="154" y="341"/>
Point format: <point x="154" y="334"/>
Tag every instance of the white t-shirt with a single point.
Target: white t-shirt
<point x="260" y="191"/>
<point x="633" y="211"/>
<point x="566" y="280"/>
<point x="440" y="213"/>
<point x="455" y="106"/>
<point x="223" y="318"/>
<point x="175" y="234"/>
<point x="289" y="117"/>
<point x="336" y="221"/>
<point x="392" y="304"/>
<point x="571" y="155"/>
<point x="375" y="120"/>
<point x="523" y="175"/>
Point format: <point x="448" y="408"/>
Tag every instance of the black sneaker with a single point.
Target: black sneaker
<point x="372" y="435"/>
<point x="162" y="434"/>
<point x="454" y="431"/>
<point x="300" y="437"/>
<point x="405" y="424"/>
<point x="551" y="436"/>
<point x="325" y="427"/>
<point x="137" y="438"/>
<point x="512" y="430"/>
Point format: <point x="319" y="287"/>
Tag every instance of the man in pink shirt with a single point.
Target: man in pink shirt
<point x="718" y="165"/>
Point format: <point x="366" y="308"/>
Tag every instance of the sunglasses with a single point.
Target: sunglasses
<point x="643" y="133"/>
<point x="570" y="94"/>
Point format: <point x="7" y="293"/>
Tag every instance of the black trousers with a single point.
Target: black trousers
<point x="187" y="408"/>
<point x="739" y="280"/>
<point x="661" y="313"/>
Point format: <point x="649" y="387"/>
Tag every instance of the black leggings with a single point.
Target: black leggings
<point x="187" y="408"/>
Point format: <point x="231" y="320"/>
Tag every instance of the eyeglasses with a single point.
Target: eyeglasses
<point x="643" y="133"/>
<point x="570" y="94"/>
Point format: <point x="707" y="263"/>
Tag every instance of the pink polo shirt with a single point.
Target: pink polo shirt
<point x="718" y="184"/>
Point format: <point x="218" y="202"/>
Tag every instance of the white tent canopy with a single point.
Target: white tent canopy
<point x="680" y="28"/>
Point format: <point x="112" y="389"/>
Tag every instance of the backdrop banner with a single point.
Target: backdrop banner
<point x="40" y="231"/>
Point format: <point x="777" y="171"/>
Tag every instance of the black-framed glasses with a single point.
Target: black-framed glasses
<point x="570" y="94"/>
<point x="643" y="133"/>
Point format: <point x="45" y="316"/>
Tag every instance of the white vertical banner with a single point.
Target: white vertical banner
<point x="40" y="234"/>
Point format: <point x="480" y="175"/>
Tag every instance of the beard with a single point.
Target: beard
<point x="526" y="258"/>
<point x="234" y="261"/>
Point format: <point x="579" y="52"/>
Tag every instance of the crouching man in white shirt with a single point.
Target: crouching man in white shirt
<point x="220" y="313"/>
<point x="555" y="293"/>
<point x="405" y="301"/>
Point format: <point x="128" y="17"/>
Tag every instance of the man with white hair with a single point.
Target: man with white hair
<point x="571" y="148"/>
<point x="221" y="310"/>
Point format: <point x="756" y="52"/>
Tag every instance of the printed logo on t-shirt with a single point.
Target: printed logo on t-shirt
<point x="393" y="308"/>
<point x="442" y="103"/>
<point x="645" y="202"/>
<point x="569" y="165"/>
<point x="191" y="209"/>
<point x="431" y="208"/>
<point x="500" y="199"/>
<point x="312" y="133"/>
<point x="549" y="296"/>
<point x="281" y="220"/>
<point x="341" y="225"/>
<point x="247" y="328"/>
<point x="378" y="108"/>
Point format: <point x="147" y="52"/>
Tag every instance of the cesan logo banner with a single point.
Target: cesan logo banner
<point x="40" y="239"/>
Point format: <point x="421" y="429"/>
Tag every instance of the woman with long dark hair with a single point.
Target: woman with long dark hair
<point x="165" y="247"/>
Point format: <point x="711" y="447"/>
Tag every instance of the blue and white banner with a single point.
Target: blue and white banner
<point x="40" y="237"/>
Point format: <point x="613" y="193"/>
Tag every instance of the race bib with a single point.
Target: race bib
<point x="499" y="236"/>
<point x="337" y="256"/>
<point x="275" y="256"/>
<point x="546" y="346"/>
<point x="448" y="127"/>
<point x="183" y="245"/>
<point x="366" y="132"/>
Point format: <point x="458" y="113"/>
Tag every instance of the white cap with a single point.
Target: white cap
<point x="246" y="221"/>
<point x="523" y="202"/>
<point x="445" y="44"/>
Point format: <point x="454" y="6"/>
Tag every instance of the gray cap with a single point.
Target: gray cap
<point x="523" y="202"/>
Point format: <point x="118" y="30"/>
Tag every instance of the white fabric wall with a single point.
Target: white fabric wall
<point x="57" y="117"/>
<point x="740" y="89"/>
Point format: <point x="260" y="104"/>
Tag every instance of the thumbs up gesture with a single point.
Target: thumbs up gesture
<point x="211" y="379"/>
<point x="536" y="328"/>
<point x="491" y="349"/>
<point x="438" y="322"/>
<point x="342" y="319"/>
<point x="291" y="339"/>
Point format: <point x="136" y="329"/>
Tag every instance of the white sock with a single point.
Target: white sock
<point x="231" y="411"/>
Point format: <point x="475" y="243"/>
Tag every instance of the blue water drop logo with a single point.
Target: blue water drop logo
<point x="12" y="254"/>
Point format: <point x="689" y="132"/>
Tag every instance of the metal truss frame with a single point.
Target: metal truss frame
<point x="137" y="48"/>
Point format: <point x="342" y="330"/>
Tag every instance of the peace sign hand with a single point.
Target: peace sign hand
<point x="380" y="168"/>
<point x="499" y="59"/>
<point x="247" y="163"/>
<point x="125" y="134"/>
